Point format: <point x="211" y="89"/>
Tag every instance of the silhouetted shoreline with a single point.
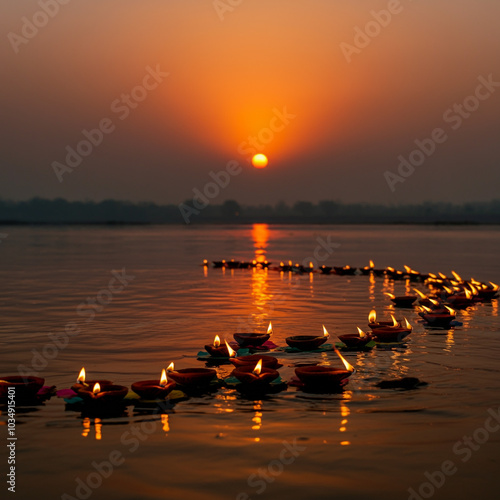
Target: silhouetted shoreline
<point x="38" y="211"/>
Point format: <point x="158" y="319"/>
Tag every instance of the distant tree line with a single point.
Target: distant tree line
<point x="60" y="211"/>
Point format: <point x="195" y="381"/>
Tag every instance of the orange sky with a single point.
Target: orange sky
<point x="226" y="80"/>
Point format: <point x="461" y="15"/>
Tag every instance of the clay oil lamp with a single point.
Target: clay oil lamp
<point x="252" y="359"/>
<point x="245" y="265"/>
<point x="345" y="270"/>
<point x="395" y="333"/>
<point x="265" y="265"/>
<point x="374" y="324"/>
<point x="26" y="388"/>
<point x="107" y="395"/>
<point x="253" y="339"/>
<point x="233" y="264"/>
<point x="308" y="269"/>
<point x="192" y="378"/>
<point x="412" y="274"/>
<point x="82" y="384"/>
<point x="424" y="300"/>
<point x="367" y="269"/>
<point x="488" y="292"/>
<point x="307" y="342"/>
<point x="441" y="318"/>
<point x="402" y="300"/>
<point x="154" y="389"/>
<point x="325" y="269"/>
<point x="218" y="263"/>
<point x="394" y="274"/>
<point x="286" y="267"/>
<point x="255" y="377"/>
<point x="356" y="341"/>
<point x="461" y="300"/>
<point x="219" y="351"/>
<point x="325" y="377"/>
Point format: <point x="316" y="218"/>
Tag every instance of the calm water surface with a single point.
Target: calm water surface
<point x="365" y="443"/>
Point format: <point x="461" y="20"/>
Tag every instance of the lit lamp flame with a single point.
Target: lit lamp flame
<point x="258" y="368"/>
<point x="407" y="269"/>
<point x="457" y="276"/>
<point x="270" y="328"/>
<point x="426" y="309"/>
<point x="390" y="295"/>
<point x="372" y="265"/>
<point x="495" y="286"/>
<point x="361" y="332"/>
<point x="407" y="324"/>
<point x="448" y="290"/>
<point x="394" y="321"/>
<point x="372" y="317"/>
<point x="163" y="378"/>
<point x="442" y="276"/>
<point x="433" y="301"/>
<point x="282" y="264"/>
<point x="325" y="332"/>
<point x="81" y="376"/>
<point x="216" y="341"/>
<point x="432" y="275"/>
<point x="170" y="367"/>
<point x="452" y="312"/>
<point x="232" y="352"/>
<point x="311" y="265"/>
<point x="97" y="388"/>
<point x="205" y="262"/>
<point x="468" y="294"/>
<point x="420" y="294"/>
<point x="290" y="263"/>
<point x="347" y="365"/>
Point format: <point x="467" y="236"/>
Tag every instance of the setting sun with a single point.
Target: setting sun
<point x="259" y="161"/>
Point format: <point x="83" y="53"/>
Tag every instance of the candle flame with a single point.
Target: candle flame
<point x="407" y="324"/>
<point x="258" y="368"/>
<point x="390" y="295"/>
<point x="433" y="301"/>
<point x="372" y="317"/>
<point x="311" y="265"/>
<point x="468" y="294"/>
<point x="325" y="332"/>
<point x="372" y="265"/>
<point x="495" y="286"/>
<point x="408" y="269"/>
<point x="81" y="376"/>
<point x="205" y="262"/>
<point x="170" y="367"/>
<point x="282" y="264"/>
<point x="420" y="294"/>
<point x="270" y="328"/>
<point x="457" y="276"/>
<point x="361" y="332"/>
<point x="426" y="309"/>
<point x="394" y="321"/>
<point x="216" y="341"/>
<point x="442" y="276"/>
<point x="448" y="290"/>
<point x="163" y="378"/>
<point x="97" y="388"/>
<point x="232" y="352"/>
<point x="347" y="365"/>
<point x="290" y="263"/>
<point x="452" y="312"/>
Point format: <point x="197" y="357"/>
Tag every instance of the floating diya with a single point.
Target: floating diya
<point x="219" y="351"/>
<point x="356" y="341"/>
<point x="402" y="300"/>
<point x="488" y="292"/>
<point x="308" y="342"/>
<point x="345" y="270"/>
<point x="440" y="318"/>
<point x="253" y="339"/>
<point x="255" y="377"/>
<point x="462" y="300"/>
<point x="25" y="387"/>
<point x="374" y="324"/>
<point x="233" y="264"/>
<point x="252" y="359"/>
<point x="395" y="333"/>
<point x="154" y="389"/>
<point x="367" y="269"/>
<point x="82" y="384"/>
<point x="325" y="269"/>
<point x="412" y="274"/>
<point x="192" y="377"/>
<point x="97" y="395"/>
<point x="324" y="376"/>
<point x="219" y="263"/>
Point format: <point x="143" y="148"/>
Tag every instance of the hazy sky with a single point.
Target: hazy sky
<point x="331" y="106"/>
